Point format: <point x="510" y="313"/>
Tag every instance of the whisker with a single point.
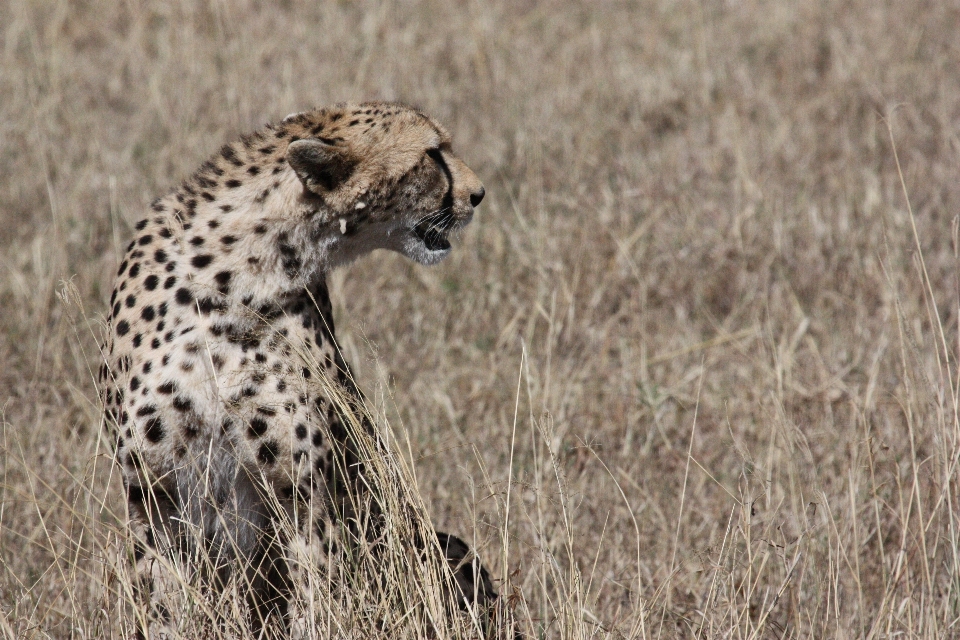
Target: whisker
<point x="435" y="218"/>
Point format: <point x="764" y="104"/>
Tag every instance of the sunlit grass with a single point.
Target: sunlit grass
<point x="691" y="371"/>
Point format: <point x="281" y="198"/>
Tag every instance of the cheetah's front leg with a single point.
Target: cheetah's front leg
<point x="310" y="571"/>
<point x="156" y="581"/>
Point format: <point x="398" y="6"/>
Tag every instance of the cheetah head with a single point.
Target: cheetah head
<point x="382" y="176"/>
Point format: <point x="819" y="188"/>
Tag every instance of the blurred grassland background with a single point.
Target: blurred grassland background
<point x="735" y="342"/>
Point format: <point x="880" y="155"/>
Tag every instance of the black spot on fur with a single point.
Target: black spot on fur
<point x="301" y="431"/>
<point x="196" y="241"/>
<point x="148" y="313"/>
<point x="232" y="184"/>
<point x="146" y="410"/>
<point x="209" y="197"/>
<point x="291" y="267"/>
<point x="151" y="282"/>
<point x="143" y="223"/>
<point x="223" y="281"/>
<point x="228" y="240"/>
<point x="191" y="430"/>
<point x="169" y="282"/>
<point x="201" y="260"/>
<point x="268" y="452"/>
<point x="206" y="305"/>
<point x="230" y="155"/>
<point x="153" y="429"/>
<point x="123" y="327"/>
<point x="260" y="228"/>
<point x="182" y="403"/>
<point x="155" y="343"/>
<point x="184" y="296"/>
<point x="137" y="339"/>
<point x="135" y="270"/>
<point x="136" y="495"/>
<point x="131" y="300"/>
<point x="269" y="311"/>
<point x="258" y="427"/>
<point x="167" y="387"/>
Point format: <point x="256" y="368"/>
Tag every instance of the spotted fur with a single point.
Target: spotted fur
<point x="220" y="324"/>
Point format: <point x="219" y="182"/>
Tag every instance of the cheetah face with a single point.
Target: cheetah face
<point x="426" y="224"/>
<point x="388" y="178"/>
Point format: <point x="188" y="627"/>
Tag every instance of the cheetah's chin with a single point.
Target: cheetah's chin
<point x="425" y="247"/>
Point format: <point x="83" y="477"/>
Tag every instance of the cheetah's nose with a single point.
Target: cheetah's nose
<point x="477" y="196"/>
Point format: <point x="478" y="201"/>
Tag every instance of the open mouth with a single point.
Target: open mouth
<point x="433" y="239"/>
<point x="433" y="235"/>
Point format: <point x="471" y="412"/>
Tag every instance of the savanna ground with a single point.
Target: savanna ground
<point x="691" y="372"/>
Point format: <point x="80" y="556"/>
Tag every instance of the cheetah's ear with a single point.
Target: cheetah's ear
<point x="321" y="167"/>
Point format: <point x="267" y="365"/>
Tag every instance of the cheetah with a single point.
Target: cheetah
<point x="220" y="324"/>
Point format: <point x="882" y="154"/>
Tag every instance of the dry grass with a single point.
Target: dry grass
<point x="692" y="372"/>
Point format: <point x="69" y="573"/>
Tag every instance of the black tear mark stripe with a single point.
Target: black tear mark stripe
<point x="437" y="156"/>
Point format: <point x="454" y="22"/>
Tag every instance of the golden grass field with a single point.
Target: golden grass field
<point x="691" y="373"/>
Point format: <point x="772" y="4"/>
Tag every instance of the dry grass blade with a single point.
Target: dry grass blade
<point x="705" y="209"/>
